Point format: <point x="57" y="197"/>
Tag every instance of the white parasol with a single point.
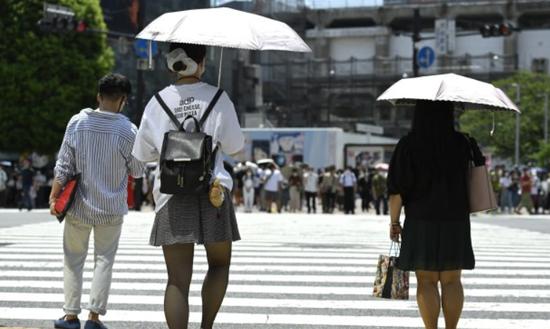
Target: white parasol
<point x="474" y="94"/>
<point x="224" y="27"/>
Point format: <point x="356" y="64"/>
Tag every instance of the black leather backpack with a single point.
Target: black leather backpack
<point x="187" y="159"/>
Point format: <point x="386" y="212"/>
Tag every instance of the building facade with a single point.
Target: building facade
<point x="358" y="51"/>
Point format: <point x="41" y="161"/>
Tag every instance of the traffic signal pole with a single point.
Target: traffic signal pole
<point x="415" y="39"/>
<point x="140" y="90"/>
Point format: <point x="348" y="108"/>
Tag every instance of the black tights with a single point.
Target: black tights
<point x="179" y="262"/>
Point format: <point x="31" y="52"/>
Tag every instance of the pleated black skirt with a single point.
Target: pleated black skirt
<point x="193" y="219"/>
<point x="436" y="246"/>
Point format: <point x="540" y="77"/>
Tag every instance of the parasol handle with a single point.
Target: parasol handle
<point x="493" y="128"/>
<point x="220" y="68"/>
<point x="150" y="54"/>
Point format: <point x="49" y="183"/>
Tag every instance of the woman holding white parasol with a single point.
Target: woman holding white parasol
<point x="428" y="175"/>
<point x="183" y="220"/>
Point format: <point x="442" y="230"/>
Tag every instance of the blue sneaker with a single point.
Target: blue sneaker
<point x="66" y="324"/>
<point x="94" y="325"/>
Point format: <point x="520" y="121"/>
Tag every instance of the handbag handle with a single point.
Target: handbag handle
<point x="472" y="153"/>
<point x="397" y="246"/>
<point x="197" y="124"/>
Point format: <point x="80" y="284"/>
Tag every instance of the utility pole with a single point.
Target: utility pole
<point x="140" y="90"/>
<point x="415" y="39"/>
<point x="546" y="118"/>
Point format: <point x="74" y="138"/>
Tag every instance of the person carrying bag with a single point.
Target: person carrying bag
<point x="429" y="176"/>
<point x="192" y="187"/>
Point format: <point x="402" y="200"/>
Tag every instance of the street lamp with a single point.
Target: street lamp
<point x="545" y="118"/>
<point x="518" y="99"/>
<point x="331" y="73"/>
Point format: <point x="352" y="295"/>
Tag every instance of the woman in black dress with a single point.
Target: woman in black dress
<point x="428" y="176"/>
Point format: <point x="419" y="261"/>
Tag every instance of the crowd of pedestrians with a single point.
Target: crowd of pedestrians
<point x="521" y="190"/>
<point x="24" y="187"/>
<point x="293" y="188"/>
<point x="300" y="188"/>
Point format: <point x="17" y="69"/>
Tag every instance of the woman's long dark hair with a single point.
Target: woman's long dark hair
<point x="434" y="137"/>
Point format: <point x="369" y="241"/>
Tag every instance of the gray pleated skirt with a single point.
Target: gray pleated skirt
<point x="193" y="219"/>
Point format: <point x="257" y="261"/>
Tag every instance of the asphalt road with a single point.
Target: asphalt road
<point x="290" y="271"/>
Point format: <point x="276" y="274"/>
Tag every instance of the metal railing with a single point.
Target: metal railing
<point x="435" y="2"/>
<point x="377" y="66"/>
<point x="269" y="6"/>
<point x="336" y="4"/>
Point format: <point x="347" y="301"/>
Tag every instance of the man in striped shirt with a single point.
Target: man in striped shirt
<point x="97" y="145"/>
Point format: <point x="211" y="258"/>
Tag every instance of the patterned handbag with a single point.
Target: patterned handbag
<point x="391" y="282"/>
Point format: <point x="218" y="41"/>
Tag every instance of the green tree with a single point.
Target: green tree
<point x="479" y="123"/>
<point x="45" y="78"/>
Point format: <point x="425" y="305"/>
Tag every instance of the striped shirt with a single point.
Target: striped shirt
<point x="98" y="145"/>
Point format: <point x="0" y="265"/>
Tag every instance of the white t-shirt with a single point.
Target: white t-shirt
<point x="535" y="186"/>
<point x="310" y="181"/>
<point x="505" y="181"/>
<point x="348" y="179"/>
<point x="188" y="99"/>
<point x="272" y="184"/>
<point x="3" y="179"/>
<point x="40" y="179"/>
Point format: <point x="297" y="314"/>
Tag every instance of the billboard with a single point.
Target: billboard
<point x="363" y="155"/>
<point x="315" y="147"/>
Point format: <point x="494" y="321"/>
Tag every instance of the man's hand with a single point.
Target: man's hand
<point x="56" y="190"/>
<point x="52" y="208"/>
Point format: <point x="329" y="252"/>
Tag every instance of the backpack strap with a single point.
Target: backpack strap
<point x="167" y="110"/>
<point x="210" y="107"/>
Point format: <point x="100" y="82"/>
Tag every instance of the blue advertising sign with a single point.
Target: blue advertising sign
<point x="426" y="57"/>
<point x="141" y="45"/>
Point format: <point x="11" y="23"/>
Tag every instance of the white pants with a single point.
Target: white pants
<point x="75" y="246"/>
<point x="248" y="195"/>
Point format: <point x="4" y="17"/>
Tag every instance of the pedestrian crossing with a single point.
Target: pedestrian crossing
<point x="290" y="271"/>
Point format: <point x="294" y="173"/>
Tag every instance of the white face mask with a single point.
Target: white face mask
<point x="178" y="61"/>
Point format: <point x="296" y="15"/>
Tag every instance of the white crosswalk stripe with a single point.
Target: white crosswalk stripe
<point x="318" y="273"/>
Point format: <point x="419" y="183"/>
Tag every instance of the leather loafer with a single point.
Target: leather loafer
<point x="94" y="325"/>
<point x="66" y="324"/>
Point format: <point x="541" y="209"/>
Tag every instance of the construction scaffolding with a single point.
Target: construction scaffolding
<point x="326" y="92"/>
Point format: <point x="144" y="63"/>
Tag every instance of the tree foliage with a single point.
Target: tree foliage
<point x="45" y="78"/>
<point x="479" y="124"/>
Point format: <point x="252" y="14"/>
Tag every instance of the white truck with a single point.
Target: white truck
<point x="317" y="147"/>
